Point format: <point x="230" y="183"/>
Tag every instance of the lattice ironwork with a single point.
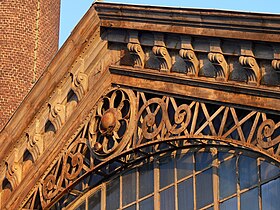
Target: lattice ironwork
<point x="127" y="126"/>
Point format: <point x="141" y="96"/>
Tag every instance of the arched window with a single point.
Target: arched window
<point x="190" y="179"/>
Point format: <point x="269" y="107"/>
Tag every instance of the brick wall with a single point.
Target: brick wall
<point x="28" y="41"/>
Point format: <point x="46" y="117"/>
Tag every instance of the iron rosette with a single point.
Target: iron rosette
<point x="112" y="123"/>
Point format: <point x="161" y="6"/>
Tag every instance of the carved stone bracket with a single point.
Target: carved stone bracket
<point x="57" y="115"/>
<point x="13" y="169"/>
<point x="163" y="56"/>
<point x="57" y="112"/>
<point x="276" y="64"/>
<point x="191" y="61"/>
<point x="161" y="52"/>
<point x="188" y="54"/>
<point x="220" y="64"/>
<point x="79" y="84"/>
<point x="253" y="71"/>
<point x="35" y="142"/>
<point x="136" y="50"/>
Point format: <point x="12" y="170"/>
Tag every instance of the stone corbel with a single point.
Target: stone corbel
<point x="187" y="53"/>
<point x="161" y="52"/>
<point x="57" y="111"/>
<point x="13" y="169"/>
<point x="218" y="60"/>
<point x="79" y="82"/>
<point x="35" y="141"/>
<point x="252" y="69"/>
<point x="136" y="50"/>
<point x="276" y="64"/>
<point x="249" y="64"/>
<point x="276" y="61"/>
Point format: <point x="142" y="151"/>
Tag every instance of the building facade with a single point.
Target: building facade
<point x="151" y="108"/>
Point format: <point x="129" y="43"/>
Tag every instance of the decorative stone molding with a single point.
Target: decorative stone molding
<point x="191" y="61"/>
<point x="218" y="60"/>
<point x="13" y="169"/>
<point x="57" y="111"/>
<point x="57" y="115"/>
<point x="276" y="64"/>
<point x="35" y="142"/>
<point x="136" y="50"/>
<point x="220" y="64"/>
<point x="161" y="52"/>
<point x="188" y="54"/>
<point x="252" y="69"/>
<point x="79" y="84"/>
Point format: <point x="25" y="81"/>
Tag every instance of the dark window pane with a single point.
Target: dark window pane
<point x="204" y="188"/>
<point x="94" y="201"/>
<point x="224" y="155"/>
<point x="167" y="199"/>
<point x="146" y="175"/>
<point x="202" y="160"/>
<point x="249" y="200"/>
<point x="230" y="204"/>
<point x="147" y="204"/>
<point x="82" y="206"/>
<point x="227" y="174"/>
<point x="166" y="168"/>
<point x="129" y="187"/>
<point x="185" y="195"/>
<point x="268" y="170"/>
<point x="113" y="195"/>
<point x="248" y="172"/>
<point x="133" y="207"/>
<point x="184" y="165"/>
<point x="270" y="195"/>
<point x="211" y="208"/>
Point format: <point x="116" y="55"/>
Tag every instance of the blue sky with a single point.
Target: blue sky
<point x="73" y="10"/>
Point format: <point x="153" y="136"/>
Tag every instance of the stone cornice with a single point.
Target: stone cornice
<point x="201" y="22"/>
<point x="266" y="99"/>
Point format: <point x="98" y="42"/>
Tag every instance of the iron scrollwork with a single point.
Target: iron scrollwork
<point x="111" y="126"/>
<point x="265" y="134"/>
<point x="121" y="126"/>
